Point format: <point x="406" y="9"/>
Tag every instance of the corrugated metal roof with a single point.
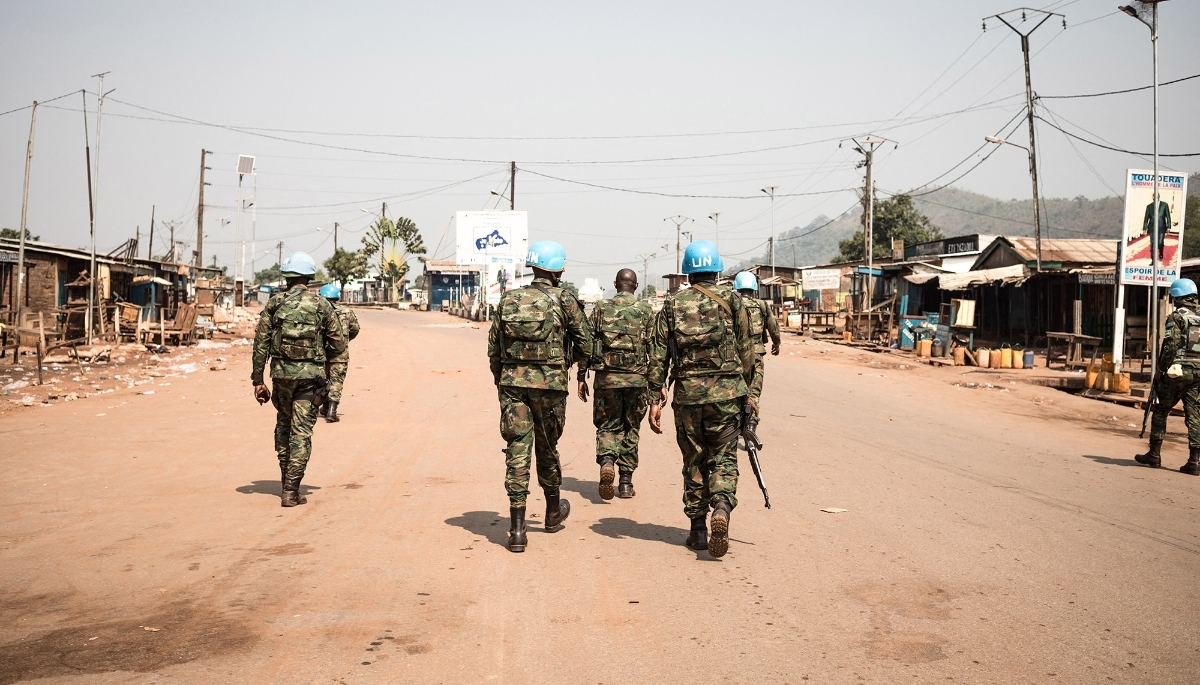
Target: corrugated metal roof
<point x="1068" y="250"/>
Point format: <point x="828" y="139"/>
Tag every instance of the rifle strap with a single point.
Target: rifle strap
<point x="724" y="437"/>
<point x="562" y="310"/>
<point x="715" y="298"/>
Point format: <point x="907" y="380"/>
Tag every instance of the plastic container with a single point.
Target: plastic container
<point x="983" y="357"/>
<point x="996" y="359"/>
<point x="1093" y="375"/>
<point x="924" y="348"/>
<point x="1006" y="356"/>
<point x="960" y="356"/>
<point x="1027" y="359"/>
<point x="1018" y="358"/>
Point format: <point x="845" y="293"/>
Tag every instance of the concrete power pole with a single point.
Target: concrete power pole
<point x="335" y="228"/>
<point x="770" y="190"/>
<point x="20" y="294"/>
<point x="867" y="147"/>
<point x="512" y="186"/>
<point x="200" y="211"/>
<point x="679" y="220"/>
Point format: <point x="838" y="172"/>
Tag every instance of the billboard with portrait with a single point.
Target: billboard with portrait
<point x="1137" y="252"/>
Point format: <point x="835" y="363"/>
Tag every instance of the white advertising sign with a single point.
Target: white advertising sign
<point x="1137" y="254"/>
<point x="821" y="279"/>
<point x="482" y="235"/>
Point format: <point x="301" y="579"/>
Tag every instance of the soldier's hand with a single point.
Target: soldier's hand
<point x="262" y="393"/>
<point x="753" y="405"/>
<point x="774" y="349"/>
<point x="656" y="418"/>
<point x="583" y="390"/>
<point x="662" y="397"/>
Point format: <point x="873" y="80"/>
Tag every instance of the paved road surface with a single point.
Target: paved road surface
<point x="991" y="536"/>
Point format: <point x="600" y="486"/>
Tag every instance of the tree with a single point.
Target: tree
<point x="649" y="291"/>
<point x="1191" y="226"/>
<point x="346" y="265"/>
<point x="271" y="274"/>
<point x="895" y="219"/>
<point x="14" y="234"/>
<point x="394" y="243"/>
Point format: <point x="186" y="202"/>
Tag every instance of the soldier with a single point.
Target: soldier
<point x="1180" y="356"/>
<point x="335" y="367"/>
<point x="298" y="330"/>
<point x="537" y="333"/>
<point x="762" y="324"/>
<point x="620" y="358"/>
<point x="702" y="338"/>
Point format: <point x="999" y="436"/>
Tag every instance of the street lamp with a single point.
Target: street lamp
<point x="1146" y="11"/>
<point x="770" y="190"/>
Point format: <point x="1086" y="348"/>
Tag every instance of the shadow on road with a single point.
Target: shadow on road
<point x="270" y="487"/>
<point x="1110" y="460"/>
<point x="586" y="489"/>
<point x="620" y="529"/>
<point x="486" y="524"/>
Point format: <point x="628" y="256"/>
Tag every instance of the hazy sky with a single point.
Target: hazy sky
<point x="749" y="94"/>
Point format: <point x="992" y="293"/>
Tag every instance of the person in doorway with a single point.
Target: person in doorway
<point x="762" y="325"/>
<point x="1178" y="377"/>
<point x="702" y="339"/>
<point x="621" y="359"/>
<point x="335" y="367"/>
<point x="537" y="333"/>
<point x="298" y="330"/>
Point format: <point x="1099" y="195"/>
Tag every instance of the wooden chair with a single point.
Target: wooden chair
<point x="182" y="328"/>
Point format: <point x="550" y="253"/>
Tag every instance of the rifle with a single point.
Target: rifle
<point x="753" y="445"/>
<point x="1149" y="407"/>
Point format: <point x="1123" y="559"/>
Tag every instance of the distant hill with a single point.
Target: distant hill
<point x="961" y="212"/>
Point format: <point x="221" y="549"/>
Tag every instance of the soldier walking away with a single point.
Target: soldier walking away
<point x="702" y="339"/>
<point x="621" y="359"/>
<point x="537" y="333"/>
<point x="762" y="324"/>
<point x="299" y="331"/>
<point x="1180" y="357"/>
<point x="336" y="366"/>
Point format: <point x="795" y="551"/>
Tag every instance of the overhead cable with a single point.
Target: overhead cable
<point x="1115" y="92"/>
<point x="1110" y="147"/>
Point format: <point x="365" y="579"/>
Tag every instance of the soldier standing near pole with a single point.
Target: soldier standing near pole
<point x="620" y="357"/>
<point x="702" y="338"/>
<point x="762" y="324"/>
<point x="298" y="330"/>
<point x="336" y="366"/>
<point x="537" y="333"/>
<point x="1179" y="357"/>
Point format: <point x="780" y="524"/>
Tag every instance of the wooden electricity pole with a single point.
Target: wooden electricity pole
<point x="200" y="211"/>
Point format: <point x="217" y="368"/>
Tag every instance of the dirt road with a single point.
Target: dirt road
<point x="991" y="535"/>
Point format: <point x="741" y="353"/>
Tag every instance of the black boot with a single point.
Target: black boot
<point x="718" y="542"/>
<point x="1152" y="458"/>
<point x="291" y="490"/>
<point x="1192" y="467"/>
<point x="625" y="489"/>
<point x="330" y="409"/>
<point x="557" y="511"/>
<point x="516" y="532"/>
<point x="698" y="537"/>
<point x="323" y="412"/>
<point x="608" y="473"/>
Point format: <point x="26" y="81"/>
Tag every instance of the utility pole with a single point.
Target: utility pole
<point x="94" y="189"/>
<point x="679" y="220"/>
<point x="770" y="190"/>
<point x="867" y="147"/>
<point x="335" y="228"/>
<point x="716" y="217"/>
<point x="20" y="294"/>
<point x="512" y="186"/>
<point x="1037" y="211"/>
<point x="200" y="210"/>
<point x="150" y="247"/>
<point x="171" y="225"/>
<point x="280" y="248"/>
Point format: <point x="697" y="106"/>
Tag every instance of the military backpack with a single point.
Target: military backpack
<point x="1189" y="352"/>
<point x="296" y="328"/>
<point x="620" y="343"/>
<point x="703" y="334"/>
<point x="532" y="323"/>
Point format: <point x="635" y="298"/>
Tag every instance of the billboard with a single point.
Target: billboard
<point x="482" y="235"/>
<point x="821" y="279"/>
<point x="1137" y="254"/>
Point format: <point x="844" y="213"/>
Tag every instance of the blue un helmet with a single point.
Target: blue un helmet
<point x="330" y="291"/>
<point x="299" y="264"/>
<point x="745" y="281"/>
<point x="547" y="255"/>
<point x="700" y="257"/>
<point x="1182" y="287"/>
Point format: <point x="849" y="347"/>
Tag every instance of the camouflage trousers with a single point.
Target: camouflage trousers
<point x="617" y="414"/>
<point x="335" y="372"/>
<point x="757" y="385"/>
<point x="707" y="435"/>
<point x="531" y="422"/>
<point x="295" y="416"/>
<point x="1170" y="392"/>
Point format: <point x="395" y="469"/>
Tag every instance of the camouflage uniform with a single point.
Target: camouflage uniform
<point x="620" y="356"/>
<point x="335" y="367"/>
<point x="709" y="353"/>
<point x="298" y="330"/>
<point x="762" y="324"/>
<point x="1182" y="324"/>
<point x="532" y="342"/>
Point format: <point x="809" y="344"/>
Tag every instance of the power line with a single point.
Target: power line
<point x="652" y="192"/>
<point x="40" y="103"/>
<point x="1114" y="149"/>
<point x="1116" y="92"/>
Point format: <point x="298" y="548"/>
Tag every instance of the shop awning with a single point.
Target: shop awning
<point x="920" y="278"/>
<point x="1018" y="273"/>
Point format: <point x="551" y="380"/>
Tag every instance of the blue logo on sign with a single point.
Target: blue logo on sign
<point x="493" y="239"/>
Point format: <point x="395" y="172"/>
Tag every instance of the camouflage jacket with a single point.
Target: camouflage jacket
<point x="528" y="341"/>
<point x="720" y="370"/>
<point x="762" y="323"/>
<point x="298" y="330"/>
<point x="350" y="329"/>
<point x="621" y="329"/>
<point x="1183" y="323"/>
